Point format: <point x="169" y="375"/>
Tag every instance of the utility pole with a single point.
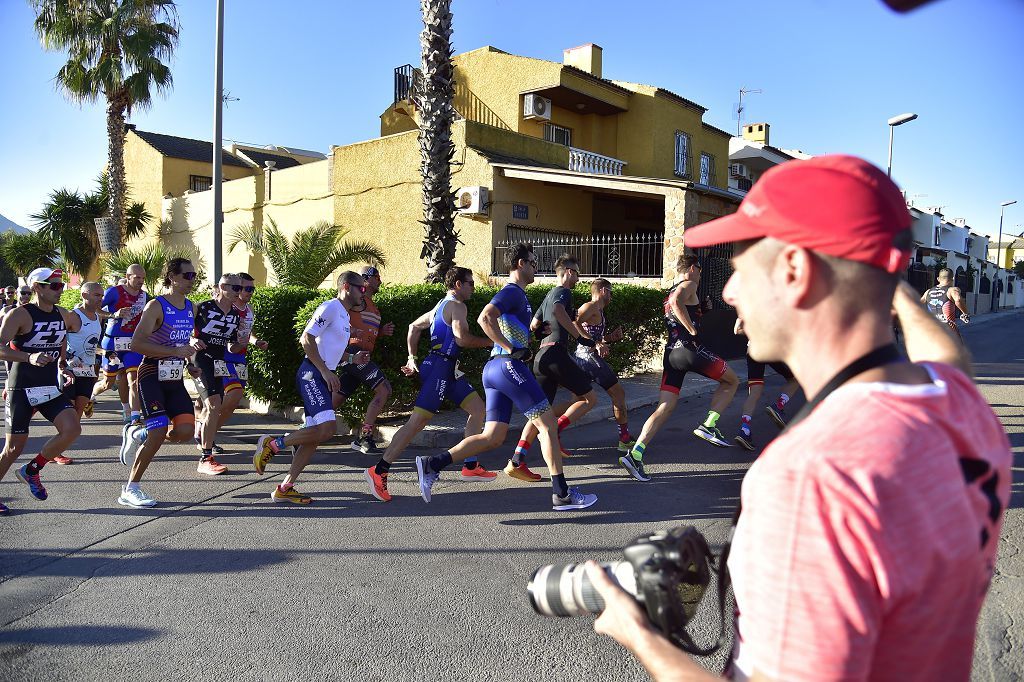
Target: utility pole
<point x="218" y="149"/>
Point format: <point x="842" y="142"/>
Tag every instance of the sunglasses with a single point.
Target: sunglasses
<point x="234" y="287"/>
<point x="191" y="275"/>
<point x="361" y="287"/>
<point x="249" y="289"/>
<point x="24" y="293"/>
<point x="54" y="286"/>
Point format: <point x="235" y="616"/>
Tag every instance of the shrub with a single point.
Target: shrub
<point x="272" y="372"/>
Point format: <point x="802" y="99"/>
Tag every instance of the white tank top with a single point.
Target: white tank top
<point x="82" y="344"/>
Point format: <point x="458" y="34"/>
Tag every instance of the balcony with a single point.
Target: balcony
<point x="583" y="161"/>
<point x="405" y="78"/>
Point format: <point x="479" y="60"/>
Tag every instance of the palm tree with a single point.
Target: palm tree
<point x="433" y="95"/>
<point x="118" y="49"/>
<point x="311" y="255"/>
<point x="153" y="259"/>
<point x="26" y="252"/>
<point x="67" y="218"/>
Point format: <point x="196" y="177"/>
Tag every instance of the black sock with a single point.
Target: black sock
<point x="382" y="467"/>
<point x="558" y="485"/>
<point x="36" y="465"/>
<point x="207" y="452"/>
<point x="469" y="464"/>
<point x="437" y="463"/>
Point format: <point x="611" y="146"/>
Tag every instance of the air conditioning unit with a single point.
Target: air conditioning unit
<point x="471" y="200"/>
<point x="536" y="107"/>
<point x="737" y="170"/>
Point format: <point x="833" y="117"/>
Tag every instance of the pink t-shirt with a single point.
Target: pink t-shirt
<point x="868" y="535"/>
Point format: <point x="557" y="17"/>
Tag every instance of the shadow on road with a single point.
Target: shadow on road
<point x="86" y="635"/>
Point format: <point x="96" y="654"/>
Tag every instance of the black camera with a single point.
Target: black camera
<point x="667" y="573"/>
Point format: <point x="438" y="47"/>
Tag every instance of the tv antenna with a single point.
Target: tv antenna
<point x="227" y="97"/>
<point x="740" y="108"/>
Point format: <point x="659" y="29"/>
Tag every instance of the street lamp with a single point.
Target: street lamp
<point x="893" y="122"/>
<point x="999" y="244"/>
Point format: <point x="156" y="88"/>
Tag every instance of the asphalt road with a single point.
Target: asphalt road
<point x="219" y="583"/>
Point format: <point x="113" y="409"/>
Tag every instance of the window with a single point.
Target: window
<point x="682" y="165"/>
<point x="744" y="184"/>
<point x="557" y="134"/>
<point x="199" y="183"/>
<point x="707" y="169"/>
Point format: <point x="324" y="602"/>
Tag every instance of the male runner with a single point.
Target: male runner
<point x="32" y="340"/>
<point x="440" y="379"/>
<point x="683" y="353"/>
<point x="592" y="360"/>
<point x="944" y="300"/>
<point x="124" y="302"/>
<point x="216" y="332"/>
<point x="366" y="327"/>
<point x="163" y="338"/>
<point x="10" y="300"/>
<point x="325" y="340"/>
<point x="508" y="383"/>
<point x="78" y="366"/>
<point x="755" y="388"/>
<point x="553" y="323"/>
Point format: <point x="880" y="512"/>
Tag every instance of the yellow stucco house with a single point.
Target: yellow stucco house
<point x="554" y="153"/>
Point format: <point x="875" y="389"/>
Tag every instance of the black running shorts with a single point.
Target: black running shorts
<point x="554" y="367"/>
<point x="689" y="357"/>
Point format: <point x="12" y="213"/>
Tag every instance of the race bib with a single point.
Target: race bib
<point x="37" y="395"/>
<point x="220" y="369"/>
<point x="122" y="343"/>
<point x="458" y="371"/>
<point x="87" y="371"/>
<point x="170" y="370"/>
<point x="242" y="371"/>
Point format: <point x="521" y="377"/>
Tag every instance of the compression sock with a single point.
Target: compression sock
<point x="36" y="465"/>
<point x="520" y="454"/>
<point x="624" y="432"/>
<point x="383" y="467"/>
<point x="563" y="422"/>
<point x="470" y="463"/>
<point x="207" y="453"/>
<point x="637" y="452"/>
<point x="437" y="463"/>
<point x="745" y="425"/>
<point x="558" y="485"/>
<point x="284" y="487"/>
<point x="712" y="419"/>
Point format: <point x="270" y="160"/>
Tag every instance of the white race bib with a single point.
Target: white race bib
<point x="87" y="371"/>
<point x="220" y="369"/>
<point x="122" y="343"/>
<point x="170" y="370"/>
<point x="242" y="371"/>
<point x="37" y="395"/>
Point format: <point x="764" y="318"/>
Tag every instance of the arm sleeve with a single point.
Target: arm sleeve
<point x="324" y="316"/>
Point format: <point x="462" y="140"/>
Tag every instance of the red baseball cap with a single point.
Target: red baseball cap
<point x="836" y="204"/>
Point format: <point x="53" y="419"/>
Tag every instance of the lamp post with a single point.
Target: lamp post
<point x="893" y="122"/>
<point x="218" y="144"/>
<point x="999" y="244"/>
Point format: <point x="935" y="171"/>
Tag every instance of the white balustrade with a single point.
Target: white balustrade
<point x="583" y="161"/>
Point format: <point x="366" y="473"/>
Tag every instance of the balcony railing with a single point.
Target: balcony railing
<point x="600" y="255"/>
<point x="405" y="77"/>
<point x="584" y="161"/>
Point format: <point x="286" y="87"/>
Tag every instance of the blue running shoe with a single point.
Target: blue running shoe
<point x="35" y="486"/>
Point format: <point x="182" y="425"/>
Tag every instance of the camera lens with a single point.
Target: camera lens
<point x="566" y="590"/>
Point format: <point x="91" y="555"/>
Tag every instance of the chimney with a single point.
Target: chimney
<point x="756" y="132"/>
<point x="585" y="57"/>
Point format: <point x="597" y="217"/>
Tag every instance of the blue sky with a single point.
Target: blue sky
<point x="312" y="73"/>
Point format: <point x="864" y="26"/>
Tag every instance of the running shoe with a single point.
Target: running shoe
<point x="4" y="509"/>
<point x="378" y="484"/>
<point x="210" y="467"/>
<point x="573" y="500"/>
<point x="778" y="416"/>
<point x="365" y="444"/>
<point x="135" y="436"/>
<point x="35" y="486"/>
<point x="61" y="459"/>
<point x="426" y="477"/>
<point x="522" y="472"/>
<point x="291" y="495"/>
<point x="134" y="497"/>
<point x="635" y="467"/>
<point x="88" y="409"/>
<point x="478" y="473"/>
<point x="712" y="435"/>
<point x="745" y="441"/>
<point x="626" y="446"/>
<point x="266" y="448"/>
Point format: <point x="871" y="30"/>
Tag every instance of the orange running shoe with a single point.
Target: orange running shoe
<point x="478" y="473"/>
<point x="210" y="467"/>
<point x="61" y="459"/>
<point x="378" y="484"/>
<point x="522" y="473"/>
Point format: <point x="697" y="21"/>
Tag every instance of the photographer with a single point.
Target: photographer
<point x="868" y="532"/>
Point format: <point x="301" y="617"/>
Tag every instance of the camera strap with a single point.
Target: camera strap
<point x="883" y="355"/>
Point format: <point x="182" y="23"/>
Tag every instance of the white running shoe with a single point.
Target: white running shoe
<point x="135" y="437"/>
<point x="134" y="497"/>
<point x="426" y="477"/>
<point x="573" y="500"/>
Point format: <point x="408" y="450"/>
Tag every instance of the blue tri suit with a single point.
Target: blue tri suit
<point x="509" y="382"/>
<point x="437" y="371"/>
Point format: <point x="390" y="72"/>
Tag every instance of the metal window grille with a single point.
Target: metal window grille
<point x="744" y="184"/>
<point x="199" y="183"/>
<point x="404" y="77"/>
<point x="706" y="162"/>
<point x="599" y="255"/>
<point x="558" y="134"/>
<point x="682" y="155"/>
<point x="715" y="271"/>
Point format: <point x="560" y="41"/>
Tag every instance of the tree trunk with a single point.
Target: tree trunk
<point x="433" y="95"/>
<point x="116" y="107"/>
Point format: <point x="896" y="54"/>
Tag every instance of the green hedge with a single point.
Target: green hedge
<point x="272" y="372"/>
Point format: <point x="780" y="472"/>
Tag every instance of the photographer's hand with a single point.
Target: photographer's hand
<point x="624" y="621"/>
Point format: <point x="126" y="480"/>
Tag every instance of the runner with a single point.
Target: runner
<point x="592" y="360"/>
<point x="440" y="378"/>
<point x="163" y="339"/>
<point x="216" y="332"/>
<point x="553" y="323"/>
<point x="78" y="367"/>
<point x="10" y="300"/>
<point x="32" y="340"/>
<point x="366" y="327"/>
<point x="124" y="302"/>
<point x="944" y="300"/>
<point x="755" y="388"/>
<point x="325" y="340"/>
<point x="508" y="383"/>
<point x="684" y="353"/>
